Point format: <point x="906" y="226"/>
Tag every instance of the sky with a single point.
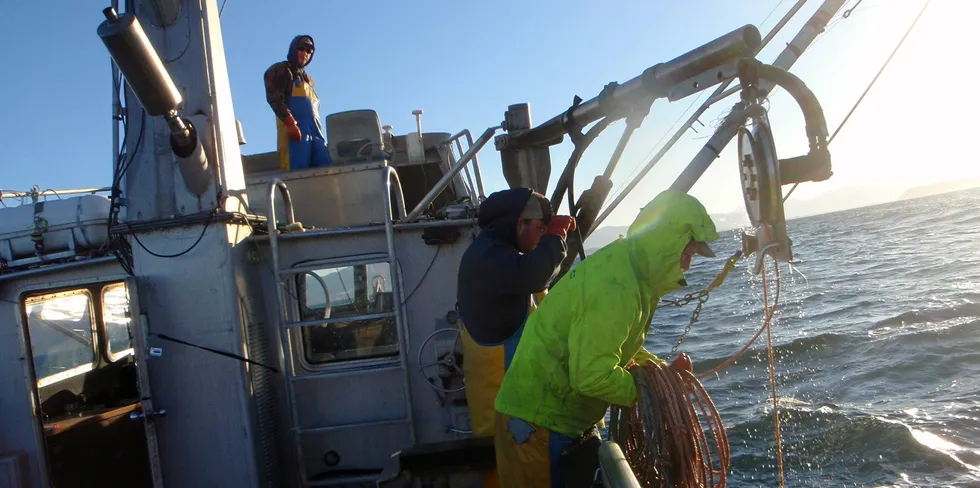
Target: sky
<point x="463" y="63"/>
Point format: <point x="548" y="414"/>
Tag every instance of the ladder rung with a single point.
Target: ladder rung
<point x="342" y="480"/>
<point x="374" y="258"/>
<point x="372" y="423"/>
<point x="347" y="371"/>
<point x="331" y="320"/>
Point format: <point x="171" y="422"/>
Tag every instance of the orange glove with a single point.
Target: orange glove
<point x="682" y="363"/>
<point x="292" y="129"/>
<point x="561" y="225"/>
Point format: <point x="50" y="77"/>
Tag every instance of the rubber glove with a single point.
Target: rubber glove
<point x="561" y="225"/>
<point x="292" y="128"/>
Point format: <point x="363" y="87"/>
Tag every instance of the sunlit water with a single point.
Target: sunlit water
<point x="877" y="349"/>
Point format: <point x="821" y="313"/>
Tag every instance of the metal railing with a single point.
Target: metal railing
<point x="457" y="140"/>
<point x="448" y="177"/>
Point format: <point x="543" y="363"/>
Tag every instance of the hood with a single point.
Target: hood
<point x="659" y="235"/>
<point x="291" y="56"/>
<point x="499" y="213"/>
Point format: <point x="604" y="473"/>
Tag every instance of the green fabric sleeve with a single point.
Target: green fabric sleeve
<point x="595" y="344"/>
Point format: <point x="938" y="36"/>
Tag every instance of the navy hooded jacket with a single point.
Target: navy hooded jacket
<point x="279" y="78"/>
<point x="495" y="280"/>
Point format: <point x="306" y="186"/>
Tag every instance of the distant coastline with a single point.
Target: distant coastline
<point x="834" y="201"/>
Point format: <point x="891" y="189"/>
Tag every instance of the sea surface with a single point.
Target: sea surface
<point x="877" y="347"/>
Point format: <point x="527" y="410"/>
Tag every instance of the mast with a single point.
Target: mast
<point x="182" y="184"/>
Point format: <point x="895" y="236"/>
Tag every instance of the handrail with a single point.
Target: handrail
<point x="277" y="184"/>
<point x="281" y="332"/>
<point x="327" y="308"/>
<point x="448" y="177"/>
<point x="470" y="185"/>
<point x="389" y="173"/>
<point x="616" y="471"/>
<point x="476" y="161"/>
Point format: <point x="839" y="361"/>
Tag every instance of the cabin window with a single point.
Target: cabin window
<point x="360" y="294"/>
<point x="62" y="337"/>
<point x="116" y="317"/>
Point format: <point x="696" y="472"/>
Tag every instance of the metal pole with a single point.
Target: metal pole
<point x="719" y="95"/>
<point x="448" y="177"/>
<point x="116" y="106"/>
<point x="476" y="167"/>
<point x="401" y="326"/>
<point x="690" y="121"/>
<point x="739" y="43"/>
<point x="716" y="144"/>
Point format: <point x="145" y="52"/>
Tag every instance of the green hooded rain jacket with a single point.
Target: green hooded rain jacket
<point x="569" y="364"/>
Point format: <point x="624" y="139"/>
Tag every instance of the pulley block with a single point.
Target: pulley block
<point x="762" y="190"/>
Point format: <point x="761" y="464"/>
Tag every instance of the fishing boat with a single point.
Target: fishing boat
<point x="208" y="319"/>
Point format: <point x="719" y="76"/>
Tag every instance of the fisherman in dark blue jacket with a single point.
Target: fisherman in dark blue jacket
<point x="518" y="253"/>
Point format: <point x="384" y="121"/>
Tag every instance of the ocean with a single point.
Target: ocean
<point x="877" y="346"/>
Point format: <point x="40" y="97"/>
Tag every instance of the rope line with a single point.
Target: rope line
<point x="674" y="435"/>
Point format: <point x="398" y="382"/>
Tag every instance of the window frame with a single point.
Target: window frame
<point x="104" y="326"/>
<point x="93" y="324"/>
<point x="299" y="340"/>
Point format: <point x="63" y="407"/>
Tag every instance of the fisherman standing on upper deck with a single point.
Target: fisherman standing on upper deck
<point x="289" y="91"/>
<point x="518" y="253"/>
<point x="571" y="361"/>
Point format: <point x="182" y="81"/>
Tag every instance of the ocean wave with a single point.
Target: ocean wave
<point x="876" y="449"/>
<point x="913" y="317"/>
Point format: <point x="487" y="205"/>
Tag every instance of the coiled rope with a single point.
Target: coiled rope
<point x="666" y="435"/>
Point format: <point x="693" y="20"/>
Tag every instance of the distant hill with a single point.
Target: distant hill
<point x="832" y="201"/>
<point x="937" y="188"/>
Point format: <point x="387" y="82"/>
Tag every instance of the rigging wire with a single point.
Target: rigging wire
<point x="207" y="223"/>
<point x="873" y="80"/>
<point x="426" y="273"/>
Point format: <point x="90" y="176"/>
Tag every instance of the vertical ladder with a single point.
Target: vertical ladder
<point x="285" y="327"/>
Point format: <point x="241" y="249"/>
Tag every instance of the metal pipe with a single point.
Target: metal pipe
<point x="654" y="82"/>
<point x="327" y="307"/>
<point x="616" y="471"/>
<point x="448" y="177"/>
<point x="116" y="103"/>
<point x="729" y="127"/>
<point x="55" y="268"/>
<point x="470" y="186"/>
<point x="704" y="107"/>
<point x="690" y="121"/>
<point x="618" y="152"/>
<point x="716" y="96"/>
<point x="403" y="338"/>
<point x="366" y="229"/>
<point x="816" y="123"/>
<point x="76" y="191"/>
<point x="277" y="184"/>
<point x="282" y="331"/>
<point x="476" y="169"/>
<point x="389" y="173"/>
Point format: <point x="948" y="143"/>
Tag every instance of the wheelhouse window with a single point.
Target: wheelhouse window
<point x="62" y="337"/>
<point x="360" y="294"/>
<point x="116" y="317"/>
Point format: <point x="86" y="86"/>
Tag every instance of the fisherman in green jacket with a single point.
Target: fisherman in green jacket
<point x="570" y="363"/>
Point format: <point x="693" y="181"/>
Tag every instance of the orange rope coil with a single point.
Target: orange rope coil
<point x="673" y="436"/>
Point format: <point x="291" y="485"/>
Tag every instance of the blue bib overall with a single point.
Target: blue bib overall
<point x="311" y="151"/>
